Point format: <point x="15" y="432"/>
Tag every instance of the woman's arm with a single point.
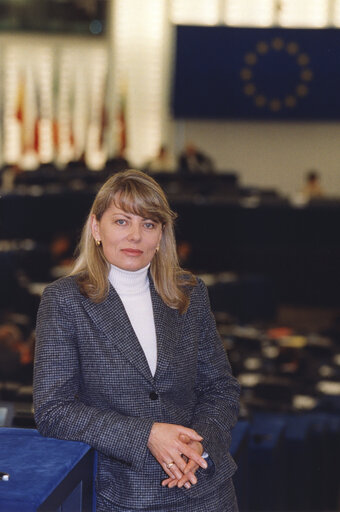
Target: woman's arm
<point x="218" y="392"/>
<point x="58" y="411"/>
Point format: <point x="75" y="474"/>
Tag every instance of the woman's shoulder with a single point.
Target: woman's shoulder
<point x="200" y="286"/>
<point x="63" y="286"/>
<point x="196" y="287"/>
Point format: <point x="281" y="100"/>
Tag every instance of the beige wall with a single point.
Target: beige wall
<point x="270" y="154"/>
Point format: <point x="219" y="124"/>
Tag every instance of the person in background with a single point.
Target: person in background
<point x="163" y="161"/>
<point x="312" y="188"/>
<point x="128" y="360"/>
<point x="8" y="175"/>
<point x="194" y="161"/>
<point x="16" y="354"/>
<point x="61" y="251"/>
<point x="184" y="252"/>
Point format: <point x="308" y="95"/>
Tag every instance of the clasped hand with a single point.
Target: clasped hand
<point x="178" y="450"/>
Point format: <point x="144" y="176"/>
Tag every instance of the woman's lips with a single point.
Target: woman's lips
<point x="132" y="252"/>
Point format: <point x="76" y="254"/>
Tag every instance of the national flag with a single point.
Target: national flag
<point x="121" y="122"/>
<point x="256" y="73"/>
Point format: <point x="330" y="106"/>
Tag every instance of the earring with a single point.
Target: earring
<point x="98" y="243"/>
<point x="157" y="249"/>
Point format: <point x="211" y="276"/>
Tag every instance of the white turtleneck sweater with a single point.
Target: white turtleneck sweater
<point x="134" y="290"/>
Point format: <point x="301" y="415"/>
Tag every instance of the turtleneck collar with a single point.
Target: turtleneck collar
<point x="128" y="282"/>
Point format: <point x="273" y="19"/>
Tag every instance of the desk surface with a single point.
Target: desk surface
<point x="36" y="465"/>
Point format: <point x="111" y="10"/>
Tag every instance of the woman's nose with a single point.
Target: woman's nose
<point x="134" y="232"/>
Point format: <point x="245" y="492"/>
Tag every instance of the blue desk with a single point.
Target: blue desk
<point x="45" y="474"/>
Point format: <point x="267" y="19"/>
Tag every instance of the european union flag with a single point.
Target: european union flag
<point x="252" y="73"/>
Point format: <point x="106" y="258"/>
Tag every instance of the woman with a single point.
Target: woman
<point x="128" y="360"/>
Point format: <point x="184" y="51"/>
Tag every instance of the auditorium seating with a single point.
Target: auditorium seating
<point x="287" y="440"/>
<point x="247" y="231"/>
<point x="287" y="462"/>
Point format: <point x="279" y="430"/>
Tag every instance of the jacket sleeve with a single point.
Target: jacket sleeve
<point x="58" y="411"/>
<point x="217" y="391"/>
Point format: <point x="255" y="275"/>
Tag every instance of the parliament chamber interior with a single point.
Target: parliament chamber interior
<point x="233" y="107"/>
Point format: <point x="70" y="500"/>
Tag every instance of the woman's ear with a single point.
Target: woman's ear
<point x="95" y="227"/>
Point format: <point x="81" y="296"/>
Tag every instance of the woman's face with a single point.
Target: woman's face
<point x="128" y="240"/>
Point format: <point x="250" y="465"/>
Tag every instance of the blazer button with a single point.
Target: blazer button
<point x="153" y="395"/>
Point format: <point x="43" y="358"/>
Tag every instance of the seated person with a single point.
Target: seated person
<point x="192" y="160"/>
<point x="16" y="354"/>
<point x="162" y="162"/>
<point x="312" y="188"/>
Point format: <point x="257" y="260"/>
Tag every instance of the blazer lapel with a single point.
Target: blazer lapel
<point x="111" y="318"/>
<point x="168" y="323"/>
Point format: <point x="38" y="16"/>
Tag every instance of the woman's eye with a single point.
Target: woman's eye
<point x="121" y="222"/>
<point x="149" y="225"/>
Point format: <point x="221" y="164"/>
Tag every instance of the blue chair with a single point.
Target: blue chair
<point x="239" y="451"/>
<point x="300" y="461"/>
<point x="326" y="461"/>
<point x="265" y="463"/>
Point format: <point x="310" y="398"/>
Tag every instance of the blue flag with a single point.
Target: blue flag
<point x="252" y="73"/>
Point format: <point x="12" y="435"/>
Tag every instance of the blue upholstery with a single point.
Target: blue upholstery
<point x="300" y="458"/>
<point x="37" y="466"/>
<point x="239" y="451"/>
<point x="265" y="462"/>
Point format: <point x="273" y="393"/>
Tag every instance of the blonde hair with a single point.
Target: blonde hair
<point x="137" y="193"/>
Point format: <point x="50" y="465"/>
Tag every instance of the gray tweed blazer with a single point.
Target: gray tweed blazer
<point x="92" y="383"/>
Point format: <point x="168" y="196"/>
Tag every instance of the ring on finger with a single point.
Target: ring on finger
<point x="170" y="464"/>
